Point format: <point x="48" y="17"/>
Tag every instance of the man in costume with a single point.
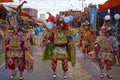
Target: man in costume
<point x="87" y="37"/>
<point x="15" y="56"/>
<point x="60" y="47"/>
<point x="15" y="45"/>
<point x="106" y="48"/>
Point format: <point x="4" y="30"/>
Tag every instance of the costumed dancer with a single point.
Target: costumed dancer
<point x="15" y="56"/>
<point x="87" y="38"/>
<point x="60" y="47"/>
<point x="106" y="48"/>
<point x="15" y="51"/>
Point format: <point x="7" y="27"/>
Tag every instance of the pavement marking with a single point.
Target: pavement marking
<point x="96" y="67"/>
<point x="2" y="65"/>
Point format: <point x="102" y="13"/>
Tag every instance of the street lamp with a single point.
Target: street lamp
<point x="82" y="4"/>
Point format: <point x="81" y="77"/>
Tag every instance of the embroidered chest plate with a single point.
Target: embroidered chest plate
<point x="60" y="37"/>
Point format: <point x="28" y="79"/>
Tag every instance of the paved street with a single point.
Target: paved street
<point x="84" y="70"/>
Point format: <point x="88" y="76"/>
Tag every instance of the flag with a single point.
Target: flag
<point x="93" y="17"/>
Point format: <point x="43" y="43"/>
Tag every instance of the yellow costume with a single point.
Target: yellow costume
<point x="87" y="38"/>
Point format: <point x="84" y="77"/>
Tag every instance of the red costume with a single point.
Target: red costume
<point x="14" y="52"/>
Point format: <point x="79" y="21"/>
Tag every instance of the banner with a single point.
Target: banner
<point x="93" y="16"/>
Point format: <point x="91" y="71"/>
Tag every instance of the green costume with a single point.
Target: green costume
<point x="61" y="38"/>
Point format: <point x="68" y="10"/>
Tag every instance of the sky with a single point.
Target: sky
<point x="54" y="6"/>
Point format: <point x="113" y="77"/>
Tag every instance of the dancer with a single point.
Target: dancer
<point x="15" y="56"/>
<point x="87" y="38"/>
<point x="60" y="46"/>
<point x="106" y="46"/>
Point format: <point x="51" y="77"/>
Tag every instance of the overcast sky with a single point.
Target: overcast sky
<point x="54" y="6"/>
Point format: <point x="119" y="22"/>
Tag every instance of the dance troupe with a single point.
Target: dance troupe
<point x="57" y="40"/>
<point x="59" y="46"/>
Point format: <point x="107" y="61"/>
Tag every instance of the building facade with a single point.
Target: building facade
<point x="31" y="11"/>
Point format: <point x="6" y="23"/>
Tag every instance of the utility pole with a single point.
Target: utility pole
<point x="83" y="5"/>
<point x="19" y="1"/>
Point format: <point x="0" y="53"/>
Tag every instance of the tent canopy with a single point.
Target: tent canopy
<point x="6" y="8"/>
<point x="108" y="5"/>
<point x="6" y="1"/>
<point x="2" y="6"/>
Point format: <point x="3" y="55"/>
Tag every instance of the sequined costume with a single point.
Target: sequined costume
<point x="15" y="56"/>
<point x="106" y="48"/>
<point x="60" y="47"/>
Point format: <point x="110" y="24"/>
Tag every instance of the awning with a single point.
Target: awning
<point x="108" y="5"/>
<point x="5" y="8"/>
<point x="6" y="1"/>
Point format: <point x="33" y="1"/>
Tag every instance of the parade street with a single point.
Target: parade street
<point x="84" y="70"/>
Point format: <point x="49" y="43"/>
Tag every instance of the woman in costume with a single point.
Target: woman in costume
<point x="60" y="47"/>
<point x="106" y="48"/>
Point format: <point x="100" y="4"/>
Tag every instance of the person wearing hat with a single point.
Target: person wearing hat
<point x="87" y="37"/>
<point x="106" y="48"/>
<point x="60" y="46"/>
